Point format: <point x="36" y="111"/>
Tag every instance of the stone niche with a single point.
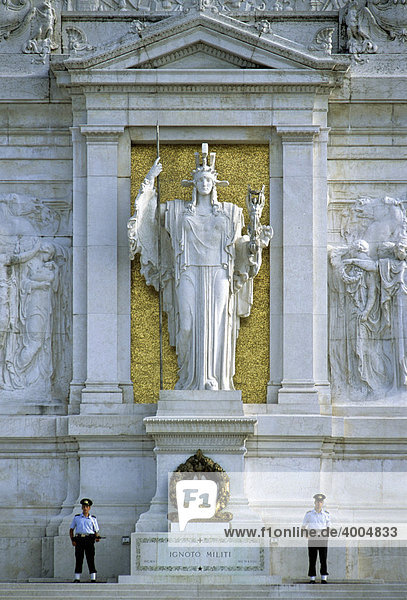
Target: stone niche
<point x="243" y="165"/>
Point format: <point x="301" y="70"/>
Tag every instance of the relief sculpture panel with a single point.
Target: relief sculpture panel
<point x="35" y="301"/>
<point x="368" y="302"/>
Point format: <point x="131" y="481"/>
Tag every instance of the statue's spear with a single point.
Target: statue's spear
<point x="160" y="289"/>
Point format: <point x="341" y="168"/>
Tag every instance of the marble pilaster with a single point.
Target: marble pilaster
<point x="102" y="378"/>
<point x="303" y="282"/>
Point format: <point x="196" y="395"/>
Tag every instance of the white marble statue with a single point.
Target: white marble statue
<point x="207" y="269"/>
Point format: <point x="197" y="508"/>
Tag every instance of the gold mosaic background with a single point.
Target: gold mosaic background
<point x="240" y="165"/>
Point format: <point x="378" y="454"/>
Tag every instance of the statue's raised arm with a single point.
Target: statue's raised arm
<point x="207" y="271"/>
<point x="142" y="227"/>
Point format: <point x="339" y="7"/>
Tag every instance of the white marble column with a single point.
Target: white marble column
<point x="304" y="268"/>
<point x="102" y="377"/>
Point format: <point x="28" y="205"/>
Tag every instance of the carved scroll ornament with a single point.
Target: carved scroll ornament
<point x="13" y="16"/>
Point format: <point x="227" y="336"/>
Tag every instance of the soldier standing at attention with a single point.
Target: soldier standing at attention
<point x="317" y="520"/>
<point x="84" y="532"/>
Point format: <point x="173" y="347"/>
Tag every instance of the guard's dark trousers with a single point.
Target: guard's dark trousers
<point x="85" y="546"/>
<point x="312" y="557"/>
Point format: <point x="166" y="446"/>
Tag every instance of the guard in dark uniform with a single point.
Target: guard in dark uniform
<point x="84" y="532"/>
<point x="318" y="520"/>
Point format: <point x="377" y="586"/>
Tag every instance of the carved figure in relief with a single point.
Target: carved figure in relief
<point x="359" y="23"/>
<point x="7" y="307"/>
<point x="33" y="358"/>
<point x="34" y="303"/>
<point x="42" y="30"/>
<point x="207" y="270"/>
<point x="392" y="268"/>
<point x="368" y="301"/>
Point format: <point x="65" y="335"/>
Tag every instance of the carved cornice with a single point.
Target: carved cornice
<point x="193" y="49"/>
<point x="295" y="134"/>
<point x="189" y="426"/>
<point x="98" y="133"/>
<point x="237" y="87"/>
<point x="222" y="25"/>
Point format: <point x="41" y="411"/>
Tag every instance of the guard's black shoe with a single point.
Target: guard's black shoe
<point x="324" y="581"/>
<point x="76" y="580"/>
<point x="312" y="581"/>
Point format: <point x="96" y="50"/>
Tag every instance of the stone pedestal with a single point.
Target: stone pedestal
<point x="188" y="421"/>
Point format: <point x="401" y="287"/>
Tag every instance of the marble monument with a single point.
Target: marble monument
<point x="320" y="86"/>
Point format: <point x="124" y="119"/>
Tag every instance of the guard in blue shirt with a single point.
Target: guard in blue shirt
<point x="84" y="532"/>
<point x="318" y="520"/>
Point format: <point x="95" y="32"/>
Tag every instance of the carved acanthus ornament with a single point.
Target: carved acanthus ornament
<point x="137" y="27"/>
<point x="263" y="26"/>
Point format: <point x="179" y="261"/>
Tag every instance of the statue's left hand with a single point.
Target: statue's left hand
<point x="266" y="235"/>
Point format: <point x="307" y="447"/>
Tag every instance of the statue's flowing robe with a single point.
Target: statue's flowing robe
<point x="206" y="286"/>
<point x="394" y="302"/>
<point x="358" y="348"/>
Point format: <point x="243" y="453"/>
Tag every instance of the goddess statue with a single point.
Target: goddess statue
<point x="206" y="269"/>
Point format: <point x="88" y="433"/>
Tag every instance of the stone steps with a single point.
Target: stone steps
<point x="114" y="591"/>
